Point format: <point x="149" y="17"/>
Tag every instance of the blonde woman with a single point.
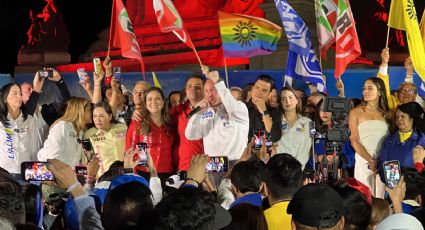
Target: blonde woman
<point x="63" y="142"/>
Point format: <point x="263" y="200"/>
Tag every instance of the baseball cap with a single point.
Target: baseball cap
<point x="316" y="205"/>
<point x="127" y="178"/>
<point x="400" y="221"/>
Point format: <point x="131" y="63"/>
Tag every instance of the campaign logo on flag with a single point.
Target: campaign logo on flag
<point x="325" y="20"/>
<point x="302" y="61"/>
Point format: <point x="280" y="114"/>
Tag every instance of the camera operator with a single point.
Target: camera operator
<point x="326" y="151"/>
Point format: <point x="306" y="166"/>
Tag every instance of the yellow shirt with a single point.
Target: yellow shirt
<point x="277" y="218"/>
<point x="108" y="145"/>
<point x="392" y="101"/>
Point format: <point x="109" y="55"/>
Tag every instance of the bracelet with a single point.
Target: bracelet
<point x="97" y="85"/>
<point x="72" y="187"/>
<point x="191" y="179"/>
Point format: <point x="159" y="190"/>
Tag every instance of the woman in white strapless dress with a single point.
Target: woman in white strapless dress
<point x="369" y="127"/>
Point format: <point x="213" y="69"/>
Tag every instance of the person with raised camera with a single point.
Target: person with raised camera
<point x="295" y="138"/>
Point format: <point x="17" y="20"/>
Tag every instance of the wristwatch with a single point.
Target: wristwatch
<point x="265" y="112"/>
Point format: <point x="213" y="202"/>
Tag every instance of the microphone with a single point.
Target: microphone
<point x="193" y="112"/>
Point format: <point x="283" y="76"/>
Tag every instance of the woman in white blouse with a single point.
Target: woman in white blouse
<point x="295" y="138"/>
<point x="64" y="140"/>
<point x="19" y="131"/>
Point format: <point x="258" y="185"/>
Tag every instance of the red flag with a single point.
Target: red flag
<point x="347" y="43"/>
<point x="169" y="20"/>
<point x="121" y="34"/>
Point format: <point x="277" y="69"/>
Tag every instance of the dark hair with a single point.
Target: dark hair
<point x="146" y="120"/>
<point x="357" y="210"/>
<point x="128" y="205"/>
<point x="292" y="90"/>
<point x="383" y="101"/>
<point x="32" y="198"/>
<point x="416" y="112"/>
<point x="105" y="105"/>
<point x="4" y="92"/>
<point x="171" y="94"/>
<point x="248" y="217"/>
<point x="247" y="176"/>
<point x="113" y="171"/>
<point x="415" y="183"/>
<point x="266" y="78"/>
<point x="283" y="176"/>
<point x="196" y="77"/>
<point x="187" y="208"/>
<point x="12" y="205"/>
<point x="245" y="90"/>
<point x="380" y="210"/>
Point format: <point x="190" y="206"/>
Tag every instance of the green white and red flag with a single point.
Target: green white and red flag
<point x="347" y="46"/>
<point x="325" y="20"/>
<point x="169" y="20"/>
<point x="121" y="34"/>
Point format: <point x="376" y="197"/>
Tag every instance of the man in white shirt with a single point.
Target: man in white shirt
<point x="222" y="122"/>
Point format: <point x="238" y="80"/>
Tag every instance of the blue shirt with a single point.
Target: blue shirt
<point x="393" y="149"/>
<point x="253" y="199"/>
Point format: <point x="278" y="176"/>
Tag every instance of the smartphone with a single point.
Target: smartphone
<point x="88" y="149"/>
<point x="36" y="171"/>
<point x="116" y="71"/>
<point x="81" y="74"/>
<point x="45" y="73"/>
<point x="392" y="173"/>
<point x="218" y="164"/>
<point x="81" y="172"/>
<point x="260" y="137"/>
<point x="143" y="158"/>
<point x="97" y="66"/>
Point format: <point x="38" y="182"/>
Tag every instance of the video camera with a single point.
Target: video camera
<point x="339" y="107"/>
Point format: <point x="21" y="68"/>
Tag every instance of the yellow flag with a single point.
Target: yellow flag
<point x="423" y="28"/>
<point x="403" y="17"/>
<point x="155" y="80"/>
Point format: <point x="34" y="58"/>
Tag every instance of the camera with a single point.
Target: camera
<point x="339" y="107"/>
<point x="45" y="73"/>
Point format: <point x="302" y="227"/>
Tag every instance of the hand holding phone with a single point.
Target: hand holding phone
<point x="218" y="164"/>
<point x="143" y="158"/>
<point x="392" y="172"/>
<point x="88" y="149"/>
<point x="97" y="66"/>
<point x="82" y="74"/>
<point x="45" y="73"/>
<point x="36" y="171"/>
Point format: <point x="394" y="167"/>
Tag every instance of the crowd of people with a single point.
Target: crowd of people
<point x="145" y="156"/>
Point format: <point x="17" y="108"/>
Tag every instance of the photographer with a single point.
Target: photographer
<point x="31" y="94"/>
<point x="329" y="149"/>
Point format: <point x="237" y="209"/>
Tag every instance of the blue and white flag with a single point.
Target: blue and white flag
<point x="302" y="60"/>
<point x="421" y="90"/>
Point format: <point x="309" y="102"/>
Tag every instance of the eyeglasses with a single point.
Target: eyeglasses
<point x="408" y="92"/>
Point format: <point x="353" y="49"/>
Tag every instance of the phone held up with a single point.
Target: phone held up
<point x="392" y="171"/>
<point x="97" y="66"/>
<point x="143" y="158"/>
<point x="218" y="164"/>
<point x="45" y="73"/>
<point x="36" y="171"/>
<point x="88" y="149"/>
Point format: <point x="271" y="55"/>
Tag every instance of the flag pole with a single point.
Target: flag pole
<point x="388" y="36"/>
<point x="197" y="56"/>
<point x="110" y="27"/>
<point x="225" y="71"/>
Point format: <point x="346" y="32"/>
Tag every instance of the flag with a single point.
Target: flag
<point x="402" y="16"/>
<point x="421" y="90"/>
<point x="169" y="20"/>
<point x="302" y="61"/>
<point x="121" y="34"/>
<point x="155" y="80"/>
<point x="325" y="20"/>
<point x="245" y="36"/>
<point x="347" y="46"/>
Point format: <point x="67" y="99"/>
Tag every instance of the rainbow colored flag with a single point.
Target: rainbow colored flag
<point x="247" y="36"/>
